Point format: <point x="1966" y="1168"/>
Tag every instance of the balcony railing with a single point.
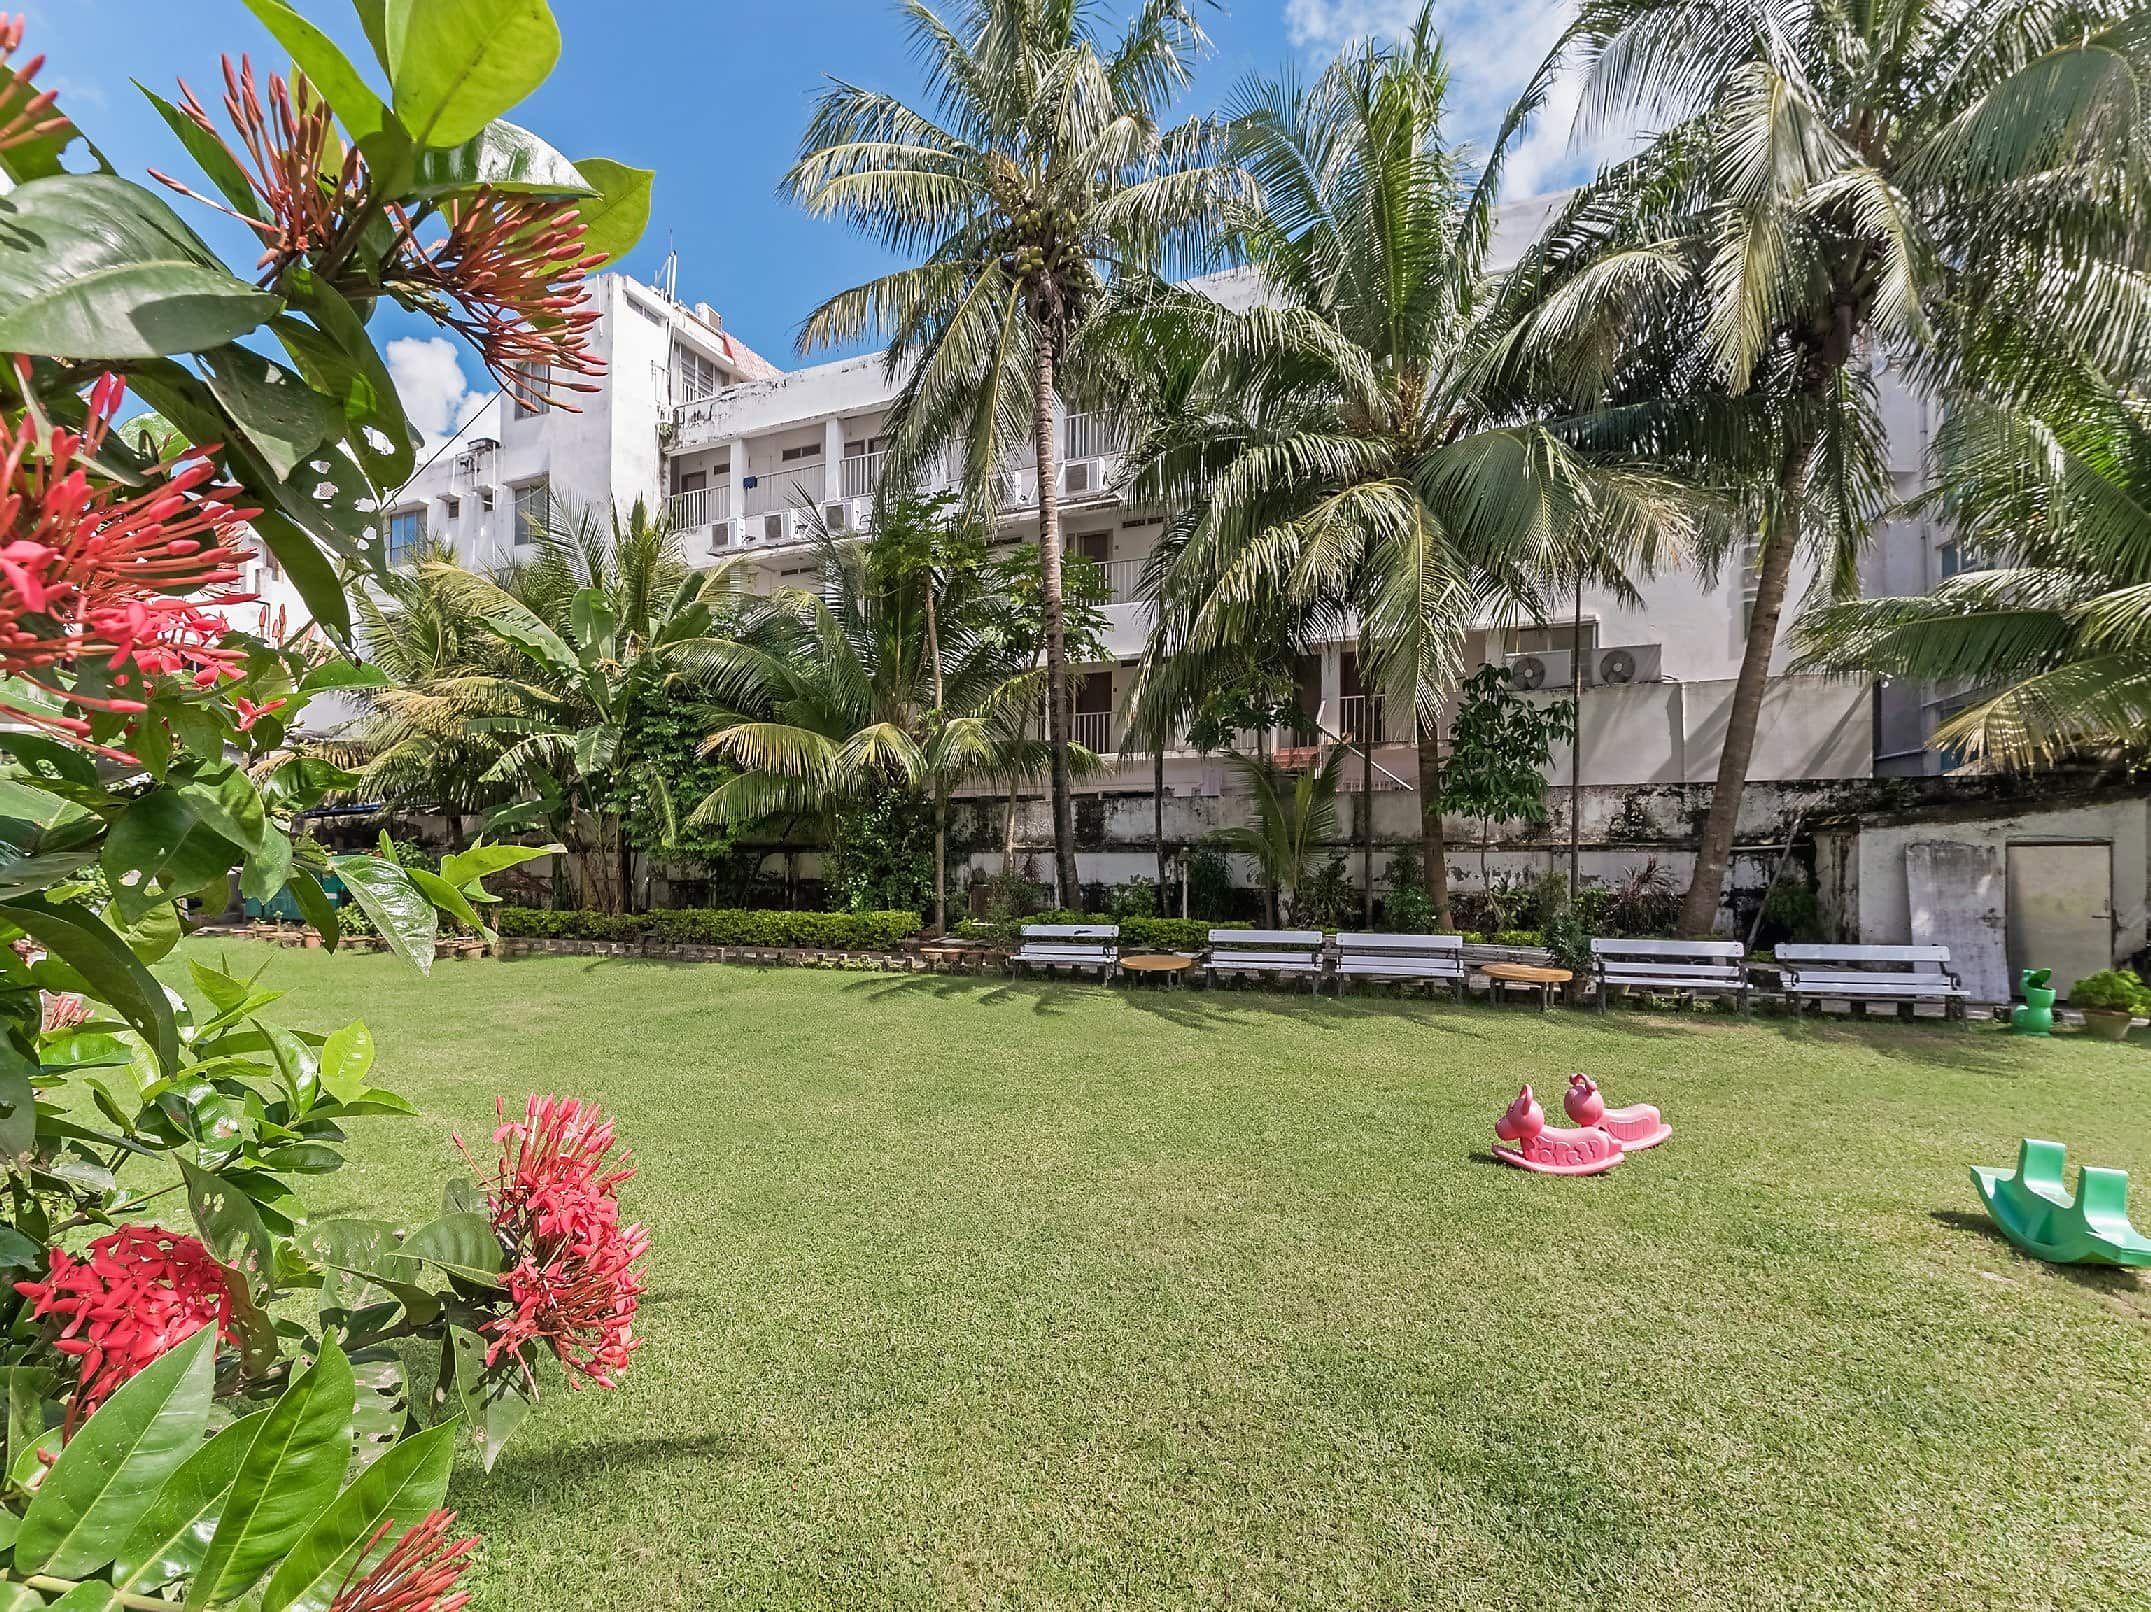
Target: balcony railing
<point x="787" y="489"/>
<point x="1363" y="716"/>
<point x="1089" y="436"/>
<point x="1124" y="578"/>
<point x="1093" y="730"/>
<point x="859" y="474"/>
<point x="704" y="506"/>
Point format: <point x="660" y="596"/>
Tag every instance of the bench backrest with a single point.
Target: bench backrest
<point x="1917" y="959"/>
<point x="1267" y="940"/>
<point x="1401" y="945"/>
<point x="1071" y="931"/>
<point x="1703" y="961"/>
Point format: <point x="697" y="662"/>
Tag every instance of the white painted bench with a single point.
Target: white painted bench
<point x="1401" y="959"/>
<point x="1260" y="953"/>
<point x="1690" y="967"/>
<point x="1074" y="947"/>
<point x="1896" y="974"/>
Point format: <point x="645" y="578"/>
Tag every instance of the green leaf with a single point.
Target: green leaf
<point x="161" y="840"/>
<point x="447" y="898"/>
<point x="228" y="1221"/>
<point x="91" y="947"/>
<point x="462" y="1244"/>
<point x="117" y="1461"/>
<point x="92" y="266"/>
<point x="459" y="868"/>
<point x="290" y="1472"/>
<point x="28" y="1387"/>
<point x="152" y="936"/>
<point x="337" y="674"/>
<point x="401" y="913"/>
<point x="346" y="1057"/>
<point x="298" y="1066"/>
<point x="174" y="1533"/>
<point x="357" y="108"/>
<point x="505" y="158"/>
<point x="283" y="417"/>
<point x="25" y="875"/>
<point x="223" y="796"/>
<point x="456" y="65"/>
<point x="312" y="574"/>
<point x="209" y="153"/>
<point x="269" y="870"/>
<point x="337" y="355"/>
<point x="316" y="907"/>
<point x="92" y="1597"/>
<point x="492" y="1407"/>
<point x="403" y="1486"/>
<point x="33" y="820"/>
<point x="614" y="219"/>
<point x="18" y="1109"/>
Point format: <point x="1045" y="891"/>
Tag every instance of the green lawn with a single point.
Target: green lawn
<point x="968" y="1294"/>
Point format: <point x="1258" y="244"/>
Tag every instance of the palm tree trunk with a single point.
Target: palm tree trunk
<point x="1575" y="747"/>
<point x="1008" y="841"/>
<point x="1433" y="845"/>
<point x="1059" y="717"/>
<point x="1157" y="818"/>
<point x="941" y="793"/>
<point x="1366" y="825"/>
<point x="1781" y="542"/>
<point x="626" y="854"/>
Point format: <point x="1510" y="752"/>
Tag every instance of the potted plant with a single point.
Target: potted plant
<point x="2110" y="1001"/>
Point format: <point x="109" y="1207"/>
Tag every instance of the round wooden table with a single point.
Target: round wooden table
<point x="1168" y="966"/>
<point x="1545" y="979"/>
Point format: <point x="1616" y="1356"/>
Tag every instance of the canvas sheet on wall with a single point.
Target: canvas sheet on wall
<point x="1959" y="896"/>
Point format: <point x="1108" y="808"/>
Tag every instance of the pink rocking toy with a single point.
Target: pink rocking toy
<point x="1551" y="1152"/>
<point x="1635" y="1127"/>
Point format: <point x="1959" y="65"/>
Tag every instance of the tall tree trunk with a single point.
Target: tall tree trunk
<point x="1059" y="715"/>
<point x="1575" y="747"/>
<point x="1008" y="840"/>
<point x="1781" y="542"/>
<point x="941" y="793"/>
<point x="1366" y="816"/>
<point x="1157" y="818"/>
<point x="626" y="854"/>
<point x="1433" y="844"/>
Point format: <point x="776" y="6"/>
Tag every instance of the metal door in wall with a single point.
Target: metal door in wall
<point x="2061" y="909"/>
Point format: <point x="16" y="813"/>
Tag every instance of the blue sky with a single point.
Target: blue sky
<point x="713" y="95"/>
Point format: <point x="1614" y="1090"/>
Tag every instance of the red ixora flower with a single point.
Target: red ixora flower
<point x="572" y="1275"/>
<point x="93" y="570"/>
<point x="508" y="276"/>
<point x="142" y="1291"/>
<point x="26" y="112"/>
<point x="417" y="1575"/>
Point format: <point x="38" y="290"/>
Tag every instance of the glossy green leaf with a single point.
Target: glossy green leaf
<point x="614" y="219"/>
<point x="290" y="1472"/>
<point x="346" y="1058"/>
<point x="403" y="1486"/>
<point x="456" y="65"/>
<point x="34" y="820"/>
<point x="173" y="1535"/>
<point x="91" y="1597"/>
<point x="224" y="797"/>
<point x="152" y="936"/>
<point x="312" y="574"/>
<point x="117" y="1461"/>
<point x="462" y="1244"/>
<point x="210" y="154"/>
<point x="27" y="1388"/>
<point x="399" y="910"/>
<point x="283" y="417"/>
<point x="95" y="951"/>
<point x="269" y="869"/>
<point x="18" y="1110"/>
<point x="492" y="1408"/>
<point x="94" y="267"/>
<point x="228" y="1220"/>
<point x="503" y="157"/>
<point x="298" y="1066"/>
<point x="337" y="355"/>
<point x="316" y="907"/>
<point x="356" y="106"/>
<point x="447" y="898"/>
<point x="161" y="841"/>
<point x="481" y="861"/>
<point x="333" y="674"/>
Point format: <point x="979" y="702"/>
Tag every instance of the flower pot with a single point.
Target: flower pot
<point x="311" y="940"/>
<point x="2108" y="1024"/>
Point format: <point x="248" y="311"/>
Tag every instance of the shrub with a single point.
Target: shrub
<point x="1791" y="911"/>
<point x="1138" y="898"/>
<point x="719" y="926"/>
<point x="1209" y="878"/>
<point x="1645" y="901"/>
<point x="1570" y="942"/>
<point x="1326" y="898"/>
<point x="1407" y="909"/>
<point x="2111" y="990"/>
<point x="1519" y="937"/>
<point x="1009" y="895"/>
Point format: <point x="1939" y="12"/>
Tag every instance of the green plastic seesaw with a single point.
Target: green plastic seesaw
<point x="2039" y="1216"/>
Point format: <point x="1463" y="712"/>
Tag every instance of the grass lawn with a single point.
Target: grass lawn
<point x="967" y="1295"/>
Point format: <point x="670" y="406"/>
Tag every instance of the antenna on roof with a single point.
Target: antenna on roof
<point x="668" y="277"/>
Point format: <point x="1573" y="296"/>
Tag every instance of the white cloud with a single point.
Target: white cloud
<point x="1494" y="47"/>
<point x="436" y="395"/>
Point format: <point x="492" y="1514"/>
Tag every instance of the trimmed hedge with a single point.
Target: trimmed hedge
<point x="717" y="926"/>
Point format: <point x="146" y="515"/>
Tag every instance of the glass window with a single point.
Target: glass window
<point x="693" y="376"/>
<point x="532" y="383"/>
<point x="406" y="534"/>
<point x="1542" y="640"/>
<point x="533" y="510"/>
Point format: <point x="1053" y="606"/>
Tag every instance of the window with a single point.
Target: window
<point x="533" y="510"/>
<point x="532" y="382"/>
<point x="1543" y="640"/>
<point x="1958" y="559"/>
<point x="694" y="377"/>
<point x="406" y="534"/>
<point x="451" y="509"/>
<point x="806" y="450"/>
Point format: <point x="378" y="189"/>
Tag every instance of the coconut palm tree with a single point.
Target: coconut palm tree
<point x="1829" y="178"/>
<point x="1360" y="455"/>
<point x="1038" y="174"/>
<point x="1295" y="814"/>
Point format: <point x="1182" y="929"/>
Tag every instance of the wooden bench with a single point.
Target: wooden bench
<point x="1401" y="959"/>
<point x="1256" y="953"/>
<point x="1895" y="974"/>
<point x="1689" y="967"/>
<point x="1074" y="947"/>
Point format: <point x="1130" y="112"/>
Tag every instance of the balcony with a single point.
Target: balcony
<point x="704" y="506"/>
<point x="787" y="490"/>
<point x="1123" y="580"/>
<point x="1364" y="717"/>
<point x="1093" y="730"/>
<point x="859" y="474"/>
<point x="1090" y="436"/>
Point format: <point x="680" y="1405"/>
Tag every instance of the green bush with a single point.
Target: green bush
<point x="2111" y="990"/>
<point x="719" y="926"/>
<point x="1138" y="898"/>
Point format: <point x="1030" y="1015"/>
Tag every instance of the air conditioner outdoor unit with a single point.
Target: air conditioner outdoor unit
<point x="1627" y="663"/>
<point x="837" y="516"/>
<point x="1544" y="668"/>
<point x="773" y="526"/>
<point x="720" y="534"/>
<point x="1079" y="478"/>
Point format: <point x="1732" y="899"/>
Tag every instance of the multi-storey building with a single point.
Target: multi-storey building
<point x="740" y="452"/>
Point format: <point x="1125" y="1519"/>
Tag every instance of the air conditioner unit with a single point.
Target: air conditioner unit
<point x="720" y="534"/>
<point x="1079" y="477"/>
<point x="773" y="526"/>
<point x="1627" y="663"/>
<point x="1544" y="668"/>
<point x="837" y="516"/>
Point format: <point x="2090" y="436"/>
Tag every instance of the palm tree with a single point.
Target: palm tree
<point x="833" y="701"/>
<point x="1040" y="173"/>
<point x="1361" y="456"/>
<point x="1829" y="176"/>
<point x="1292" y="820"/>
<point x="2051" y="491"/>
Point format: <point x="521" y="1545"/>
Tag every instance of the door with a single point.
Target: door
<point x="2061" y="909"/>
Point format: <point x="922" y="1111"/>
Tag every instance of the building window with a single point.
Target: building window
<point x="1547" y="640"/>
<point x="694" y="377"/>
<point x="806" y="450"/>
<point x="532" y="383"/>
<point x="451" y="509"/>
<point x="533" y="510"/>
<point x="1957" y="559"/>
<point x="406" y="534"/>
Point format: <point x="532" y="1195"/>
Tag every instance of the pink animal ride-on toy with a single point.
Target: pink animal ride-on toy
<point x="1551" y="1152"/>
<point x="1635" y="1127"/>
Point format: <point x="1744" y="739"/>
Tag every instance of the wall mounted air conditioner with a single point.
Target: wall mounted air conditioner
<point x="1542" y="668"/>
<point x="1078" y="477"/>
<point x="773" y="526"/>
<point x="720" y="534"/>
<point x="1627" y="663"/>
<point x="836" y="515"/>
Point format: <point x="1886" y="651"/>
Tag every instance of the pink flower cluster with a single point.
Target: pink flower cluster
<point x="26" y="112"/>
<point x="141" y="1291"/>
<point x="90" y="570"/>
<point x="418" y="1574"/>
<point x="573" y="1273"/>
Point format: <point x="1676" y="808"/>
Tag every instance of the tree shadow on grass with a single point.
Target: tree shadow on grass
<point x="527" y="1472"/>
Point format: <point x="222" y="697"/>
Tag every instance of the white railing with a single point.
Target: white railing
<point x="786" y="489"/>
<point x="1093" y="730"/>
<point x="704" y="506"/>
<point x="1363" y="716"/>
<point x="1124" y="578"/>
<point x="859" y="475"/>
<point x="1089" y="436"/>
